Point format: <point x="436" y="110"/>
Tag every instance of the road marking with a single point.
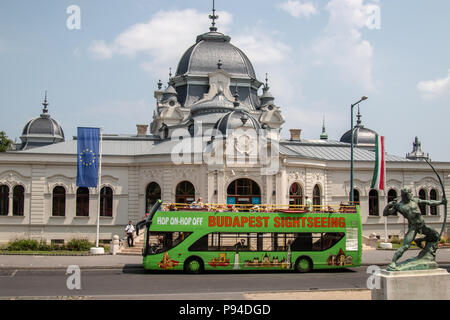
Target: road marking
<point x="13" y="274"/>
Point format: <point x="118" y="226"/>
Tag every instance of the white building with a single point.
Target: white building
<point x="214" y="103"/>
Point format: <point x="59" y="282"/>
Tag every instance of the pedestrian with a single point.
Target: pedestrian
<point x="129" y="229"/>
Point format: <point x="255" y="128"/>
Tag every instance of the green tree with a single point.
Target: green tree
<point x="5" y="143"/>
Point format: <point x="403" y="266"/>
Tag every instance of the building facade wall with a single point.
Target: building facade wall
<point x="129" y="179"/>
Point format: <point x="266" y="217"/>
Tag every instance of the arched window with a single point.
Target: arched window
<point x="317" y="201"/>
<point x="185" y="192"/>
<point x="152" y="194"/>
<point x="82" y="202"/>
<point x="243" y="191"/>
<point x="4" y="200"/>
<point x="422" y="207"/>
<point x="391" y="196"/>
<point x="295" y="195"/>
<point x="355" y="196"/>
<point x="18" y="200"/>
<point x="433" y="197"/>
<point x="59" y="202"/>
<point x="106" y="202"/>
<point x="373" y="203"/>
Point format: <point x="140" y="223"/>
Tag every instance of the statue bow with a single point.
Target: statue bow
<point x="443" y="196"/>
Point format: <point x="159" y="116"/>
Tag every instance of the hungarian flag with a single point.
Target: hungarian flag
<point x="379" y="172"/>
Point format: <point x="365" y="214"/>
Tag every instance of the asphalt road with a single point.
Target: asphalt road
<point x="135" y="283"/>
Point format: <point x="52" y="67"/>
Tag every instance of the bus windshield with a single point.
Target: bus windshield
<point x="159" y="242"/>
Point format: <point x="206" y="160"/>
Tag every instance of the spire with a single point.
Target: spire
<point x="45" y="103"/>
<point x="324" y="135"/>
<point x="170" y="78"/>
<point x="213" y="17"/>
<point x="358" y="122"/>
<point x="266" y="85"/>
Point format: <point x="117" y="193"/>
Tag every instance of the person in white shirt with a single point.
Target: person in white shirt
<point x="129" y="229"/>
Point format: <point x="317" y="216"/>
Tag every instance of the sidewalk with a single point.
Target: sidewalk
<point x="370" y="257"/>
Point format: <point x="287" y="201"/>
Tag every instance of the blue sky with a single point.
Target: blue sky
<point x="321" y="56"/>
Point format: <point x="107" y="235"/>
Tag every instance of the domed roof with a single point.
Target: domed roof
<point x="203" y="57"/>
<point x="41" y="131"/>
<point x="362" y="137"/>
<point x="238" y="118"/>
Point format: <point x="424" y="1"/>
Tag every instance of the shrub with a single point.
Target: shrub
<point x="23" y="245"/>
<point x="79" y="245"/>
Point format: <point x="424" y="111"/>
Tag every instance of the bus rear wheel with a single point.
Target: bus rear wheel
<point x="303" y="265"/>
<point x="193" y="265"/>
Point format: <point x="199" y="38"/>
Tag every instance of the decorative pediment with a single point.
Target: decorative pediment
<point x="219" y="82"/>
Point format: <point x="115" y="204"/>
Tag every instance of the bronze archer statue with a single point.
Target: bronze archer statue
<point x="409" y="208"/>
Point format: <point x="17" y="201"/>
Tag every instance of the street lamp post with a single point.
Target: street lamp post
<point x="351" y="151"/>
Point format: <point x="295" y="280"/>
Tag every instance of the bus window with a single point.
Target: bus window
<point x="302" y="242"/>
<point x="200" y="245"/>
<point x="281" y="241"/>
<point x="317" y="242"/>
<point x="235" y="241"/>
<point x="159" y="242"/>
<point x="330" y="239"/>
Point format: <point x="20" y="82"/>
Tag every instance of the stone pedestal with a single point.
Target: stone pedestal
<point x="114" y="245"/>
<point x="413" y="285"/>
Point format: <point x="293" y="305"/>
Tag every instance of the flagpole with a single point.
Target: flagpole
<point x="98" y="188"/>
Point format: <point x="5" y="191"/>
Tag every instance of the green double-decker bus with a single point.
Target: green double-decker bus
<point x="195" y="241"/>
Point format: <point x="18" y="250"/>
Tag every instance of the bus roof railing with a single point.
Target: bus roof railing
<point x="276" y="208"/>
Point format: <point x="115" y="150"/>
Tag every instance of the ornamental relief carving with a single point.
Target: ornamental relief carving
<point x="427" y="184"/>
<point x="67" y="183"/>
<point x="153" y="173"/>
<point x="11" y="178"/>
<point x="296" y="175"/>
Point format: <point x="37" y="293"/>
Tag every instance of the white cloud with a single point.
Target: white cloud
<point x="260" y="47"/>
<point x="164" y="38"/>
<point x="434" y="88"/>
<point x="342" y="45"/>
<point x="299" y="9"/>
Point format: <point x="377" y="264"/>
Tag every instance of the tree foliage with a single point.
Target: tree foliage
<point x="5" y="143"/>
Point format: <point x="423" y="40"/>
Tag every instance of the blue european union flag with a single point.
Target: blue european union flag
<point x="88" y="157"/>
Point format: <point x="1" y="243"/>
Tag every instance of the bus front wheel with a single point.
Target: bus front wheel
<point x="303" y="265"/>
<point x="193" y="265"/>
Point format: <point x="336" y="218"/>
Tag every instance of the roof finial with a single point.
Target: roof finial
<point x="213" y="17"/>
<point x="358" y="123"/>
<point x="219" y="64"/>
<point x="170" y="78"/>
<point x="160" y="84"/>
<point x="324" y="135"/>
<point x="266" y="86"/>
<point x="45" y="103"/>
